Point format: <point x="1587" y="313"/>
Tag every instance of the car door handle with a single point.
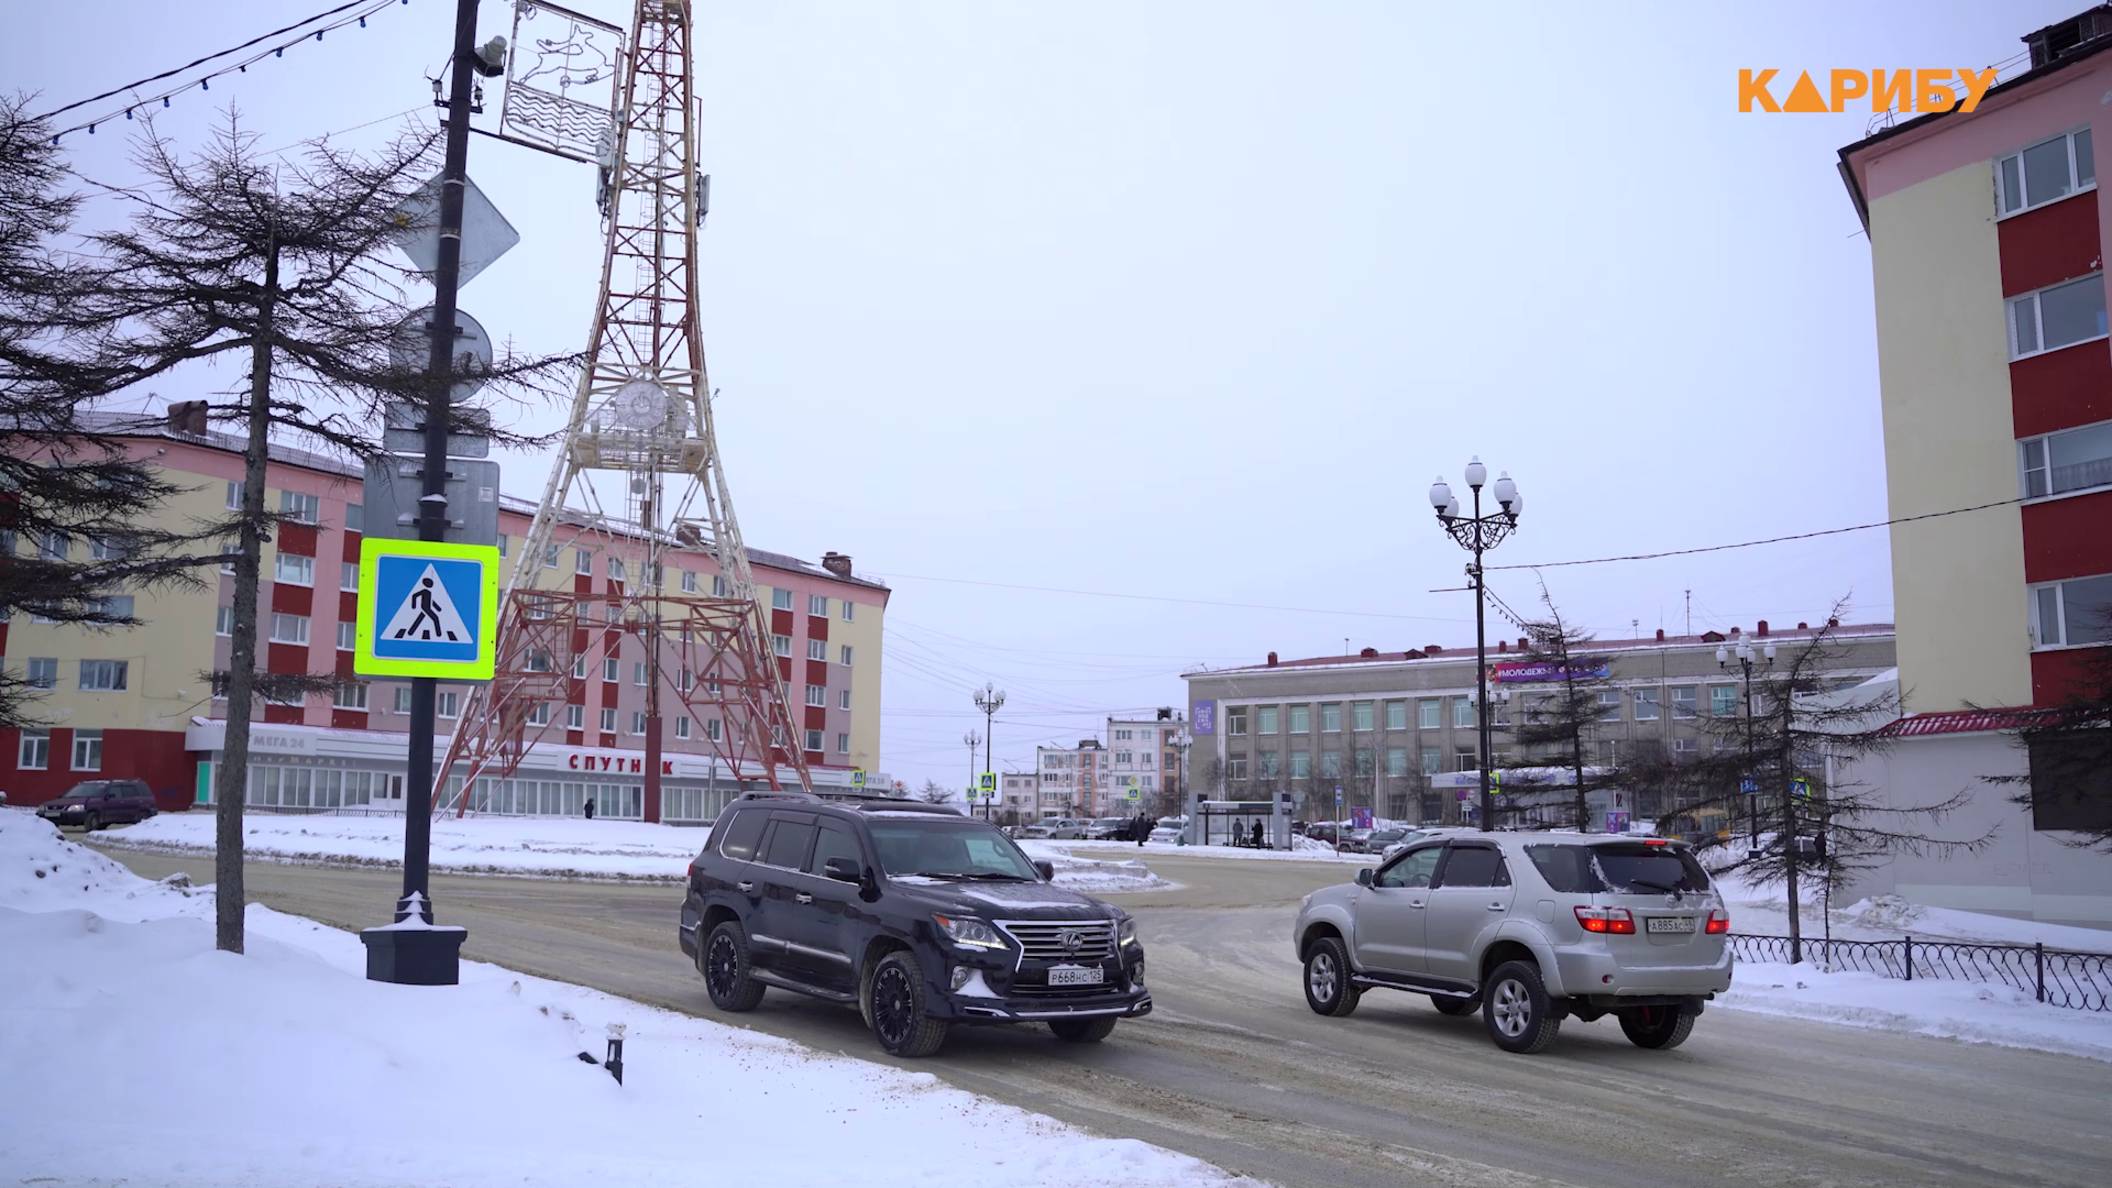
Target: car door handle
<point x="803" y="897"/>
<point x="1495" y="907"/>
<point x="744" y="886"/>
<point x="1415" y="903"/>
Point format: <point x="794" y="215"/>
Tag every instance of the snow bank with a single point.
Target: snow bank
<point x="1764" y="910"/>
<point x="1307" y="851"/>
<point x="288" y="1067"/>
<point x="1974" y="1013"/>
<point x="543" y="847"/>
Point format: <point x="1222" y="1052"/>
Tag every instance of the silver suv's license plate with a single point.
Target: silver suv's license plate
<point x="1080" y="975"/>
<point x="1679" y="924"/>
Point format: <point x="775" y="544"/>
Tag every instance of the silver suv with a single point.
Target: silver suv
<point x="1531" y="928"/>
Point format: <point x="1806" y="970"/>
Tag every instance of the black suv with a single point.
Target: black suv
<point x="93" y="804"/>
<point x="921" y="916"/>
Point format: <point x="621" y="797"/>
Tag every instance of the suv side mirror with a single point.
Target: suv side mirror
<point x="1047" y="871"/>
<point x="843" y="870"/>
<point x="1364" y="877"/>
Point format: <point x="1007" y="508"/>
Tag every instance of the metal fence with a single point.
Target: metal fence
<point x="2056" y="977"/>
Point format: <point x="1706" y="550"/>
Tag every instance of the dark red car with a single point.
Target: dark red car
<point x="93" y="804"/>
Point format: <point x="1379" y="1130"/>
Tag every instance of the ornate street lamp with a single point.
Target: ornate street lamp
<point x="1744" y="655"/>
<point x="988" y="699"/>
<point x="1478" y="533"/>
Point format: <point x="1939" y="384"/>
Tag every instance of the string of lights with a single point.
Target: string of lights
<point x="267" y="45"/>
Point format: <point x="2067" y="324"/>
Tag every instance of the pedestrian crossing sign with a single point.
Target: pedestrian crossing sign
<point x="427" y="609"/>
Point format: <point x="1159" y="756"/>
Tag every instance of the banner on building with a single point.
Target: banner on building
<point x="1523" y="671"/>
<point x="1205" y="717"/>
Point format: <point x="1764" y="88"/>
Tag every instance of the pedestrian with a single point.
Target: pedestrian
<point x="1239" y="832"/>
<point x="1141" y="829"/>
<point x="1257" y="833"/>
<point x="590" y="808"/>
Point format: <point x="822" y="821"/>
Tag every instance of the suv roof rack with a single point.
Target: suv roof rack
<point x="864" y="801"/>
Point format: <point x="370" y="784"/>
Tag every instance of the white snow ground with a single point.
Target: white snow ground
<point x="547" y="847"/>
<point x="285" y="1066"/>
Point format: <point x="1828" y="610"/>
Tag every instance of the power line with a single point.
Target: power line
<point x="1299" y="610"/>
<point x="1747" y="544"/>
<point x="367" y="8"/>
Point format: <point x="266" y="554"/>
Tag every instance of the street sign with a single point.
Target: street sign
<point x="857" y="777"/>
<point x="427" y="608"/>
<point x="486" y="235"/>
<point x="394" y="485"/>
<point x="1800" y="787"/>
<point x="1749" y="787"/>
<point x="987" y="782"/>
<point x="411" y="350"/>
<point x="403" y="431"/>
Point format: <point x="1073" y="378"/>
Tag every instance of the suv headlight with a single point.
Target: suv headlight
<point x="969" y="933"/>
<point x="1126" y="932"/>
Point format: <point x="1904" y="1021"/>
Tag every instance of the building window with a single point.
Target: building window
<point x="818" y="604"/>
<point x="53" y="546"/>
<point x="780" y="599"/>
<point x="1463" y="760"/>
<point x="689" y="581"/>
<point x="1361" y="761"/>
<point x="844" y="658"/>
<point x="87" y="750"/>
<point x="1723" y="701"/>
<point x="818" y="695"/>
<point x="814" y="740"/>
<point x="350" y="696"/>
<point x="43" y="672"/>
<point x="1236" y="768"/>
<point x="355" y="517"/>
<point x="1396" y="761"/>
<point x="1427" y="713"/>
<point x="609" y="669"/>
<point x="1265" y="762"/>
<point x="294" y="570"/>
<point x="2071" y="460"/>
<point x="1301" y="719"/>
<point x="550" y="555"/>
<point x="448" y="703"/>
<point x="1331" y="717"/>
<point x="1330" y="765"/>
<point x="575" y="717"/>
<point x="617" y="572"/>
<point x="1683" y="701"/>
<point x="582" y="562"/>
<point x="849" y="609"/>
<point x="1609" y="705"/>
<point x="301" y="509"/>
<point x="1462" y="712"/>
<point x="818" y="649"/>
<point x="2046" y="172"/>
<point x="637" y="721"/>
<point x="781" y="645"/>
<point x="641" y="674"/>
<point x="403" y="699"/>
<point x="106" y="550"/>
<point x="289" y="629"/>
<point x="682" y="726"/>
<point x="2057" y="316"/>
<point x="1685" y="749"/>
<point x="2071" y="613"/>
<point x="1268" y="719"/>
<point x="234" y="495"/>
<point x="608" y="720"/>
<point x="1396" y="715"/>
<point x="843" y="699"/>
<point x="718" y="585"/>
<point x="1236" y="722"/>
<point x="1360" y="715"/>
<point x="34" y="754"/>
<point x="843" y="744"/>
<point x="103" y="676"/>
<point x="2071" y="787"/>
<point x="1432" y="761"/>
<point x="711" y="729"/>
<point x="1646" y="704"/>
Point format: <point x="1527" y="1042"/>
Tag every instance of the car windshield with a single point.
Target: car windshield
<point x="949" y="850"/>
<point x="1622" y="868"/>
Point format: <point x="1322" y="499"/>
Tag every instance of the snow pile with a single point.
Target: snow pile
<point x="1307" y="851"/>
<point x="543" y="847"/>
<point x="293" y="1069"/>
<point x="1764" y="911"/>
<point x="1975" y="1013"/>
<point x="40" y="871"/>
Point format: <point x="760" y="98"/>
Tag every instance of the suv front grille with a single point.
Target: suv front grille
<point x="1083" y="940"/>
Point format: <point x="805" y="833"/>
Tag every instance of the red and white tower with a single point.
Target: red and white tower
<point x="642" y="414"/>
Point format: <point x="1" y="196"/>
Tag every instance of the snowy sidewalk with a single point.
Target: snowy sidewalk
<point x="535" y="847"/>
<point x="285" y="1066"/>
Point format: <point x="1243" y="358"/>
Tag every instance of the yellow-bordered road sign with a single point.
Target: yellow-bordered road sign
<point x="427" y="609"/>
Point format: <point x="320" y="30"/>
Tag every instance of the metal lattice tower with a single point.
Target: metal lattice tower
<point x="643" y="413"/>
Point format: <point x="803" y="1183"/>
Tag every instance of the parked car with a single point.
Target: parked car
<point x="1032" y="831"/>
<point x="93" y="804"/>
<point x="1374" y="841"/>
<point x="1421" y="833"/>
<point x="1068" y="829"/>
<point x="1166" y="834"/>
<point x="1111" y="829"/>
<point x="1323" y="831"/>
<point x="923" y="918"/>
<point x="1530" y="929"/>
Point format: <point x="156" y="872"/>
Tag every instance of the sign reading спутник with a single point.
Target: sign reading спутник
<point x="427" y="608"/>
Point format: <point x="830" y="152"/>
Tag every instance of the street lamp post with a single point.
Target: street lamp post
<point x="1478" y="533"/>
<point x="989" y="699"/>
<point x="1181" y="741"/>
<point x="972" y="740"/>
<point x="1744" y="655"/>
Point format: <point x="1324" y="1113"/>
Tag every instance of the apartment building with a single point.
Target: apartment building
<point x="1019" y="796"/>
<point x="138" y="703"/>
<point x="1987" y="237"/>
<point x="1143" y="756"/>
<point x="1385" y="728"/>
<point x="1073" y="780"/>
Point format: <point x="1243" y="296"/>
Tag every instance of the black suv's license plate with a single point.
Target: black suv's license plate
<point x="1675" y="924"/>
<point x="1076" y="975"/>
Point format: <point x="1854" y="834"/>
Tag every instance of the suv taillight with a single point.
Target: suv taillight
<point x="1611" y="920"/>
<point x="1719" y="922"/>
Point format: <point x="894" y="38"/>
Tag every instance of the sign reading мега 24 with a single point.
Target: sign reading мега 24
<point x="427" y="608"/>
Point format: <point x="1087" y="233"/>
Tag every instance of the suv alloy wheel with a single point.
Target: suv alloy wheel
<point x="1516" y="1008"/>
<point x="894" y="995"/>
<point x="1328" y="989"/>
<point x="724" y="963"/>
<point x="1661" y="1027"/>
<point x="91" y="823"/>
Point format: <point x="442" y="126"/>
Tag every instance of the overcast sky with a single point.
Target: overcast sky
<point x="1191" y="301"/>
